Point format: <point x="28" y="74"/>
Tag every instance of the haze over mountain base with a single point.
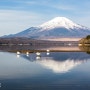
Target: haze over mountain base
<point x="61" y="39"/>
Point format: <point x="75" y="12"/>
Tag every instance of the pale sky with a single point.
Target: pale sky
<point x="18" y="15"/>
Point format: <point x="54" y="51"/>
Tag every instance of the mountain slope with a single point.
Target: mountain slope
<point x="57" y="27"/>
<point x="59" y="22"/>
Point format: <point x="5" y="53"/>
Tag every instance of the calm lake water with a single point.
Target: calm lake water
<point x="47" y="71"/>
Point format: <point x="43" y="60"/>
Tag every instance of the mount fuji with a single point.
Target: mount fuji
<point x="57" y="27"/>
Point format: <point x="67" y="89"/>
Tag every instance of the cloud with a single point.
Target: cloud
<point x="48" y="3"/>
<point x="31" y="2"/>
<point x="63" y="7"/>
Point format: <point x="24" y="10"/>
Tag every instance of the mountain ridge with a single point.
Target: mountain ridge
<point x="57" y="27"/>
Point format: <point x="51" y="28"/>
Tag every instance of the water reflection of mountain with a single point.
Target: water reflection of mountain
<point x="60" y="66"/>
<point x="59" y="62"/>
<point x="59" y="56"/>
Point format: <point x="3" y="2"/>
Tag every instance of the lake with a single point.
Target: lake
<point x="68" y="69"/>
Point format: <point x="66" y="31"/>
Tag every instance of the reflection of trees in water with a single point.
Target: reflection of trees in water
<point x="85" y="49"/>
<point x="88" y="52"/>
<point x="21" y="48"/>
<point x="29" y="48"/>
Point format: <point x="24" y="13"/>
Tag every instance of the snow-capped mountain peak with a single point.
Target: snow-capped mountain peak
<point x="57" y="27"/>
<point x="59" y="22"/>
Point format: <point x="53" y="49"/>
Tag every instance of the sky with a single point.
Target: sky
<point x="19" y="15"/>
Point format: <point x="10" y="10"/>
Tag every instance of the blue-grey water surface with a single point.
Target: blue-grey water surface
<point x="48" y="71"/>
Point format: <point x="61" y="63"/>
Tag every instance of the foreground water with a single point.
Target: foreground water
<point x="47" y="71"/>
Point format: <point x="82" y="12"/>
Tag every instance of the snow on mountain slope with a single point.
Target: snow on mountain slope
<point x="60" y="22"/>
<point x="57" y="27"/>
